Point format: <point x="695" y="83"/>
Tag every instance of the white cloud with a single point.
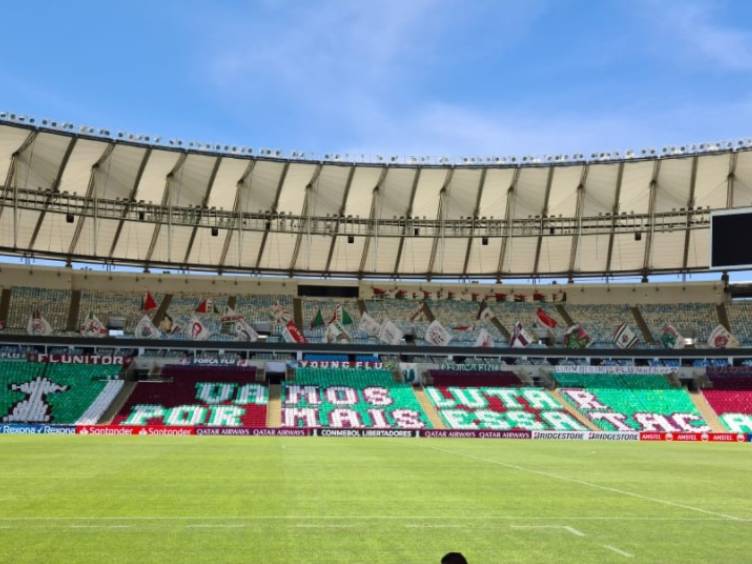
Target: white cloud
<point x="369" y="74"/>
<point x="692" y="30"/>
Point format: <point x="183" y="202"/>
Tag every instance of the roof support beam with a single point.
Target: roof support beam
<point x="511" y="191"/>
<point x="408" y="215"/>
<point x="340" y="214"/>
<point x="131" y="200"/>
<point x="204" y="205"/>
<point x="730" y="180"/>
<point x="9" y="180"/>
<point x="55" y="188"/>
<point x="9" y="184"/>
<point x="239" y="215"/>
<point x="578" y="215"/>
<point x="651" y="217"/>
<point x="440" y="217"/>
<point x="277" y="193"/>
<point x="476" y="211"/>
<point x="614" y="218"/>
<point x="372" y="219"/>
<point x="166" y="203"/>
<point x="690" y="206"/>
<point x="90" y="194"/>
<point x="544" y="213"/>
<point x="307" y="218"/>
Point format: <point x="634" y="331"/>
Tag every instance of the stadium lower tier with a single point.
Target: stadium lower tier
<point x="350" y="399"/>
<point x="55" y="393"/>
<point x="212" y="397"/>
<point x="632" y="402"/>
<point x="734" y="408"/>
<point x="533" y="409"/>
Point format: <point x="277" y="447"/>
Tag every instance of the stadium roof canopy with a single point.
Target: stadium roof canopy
<point x="80" y="195"/>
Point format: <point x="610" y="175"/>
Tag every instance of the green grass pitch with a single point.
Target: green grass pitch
<point x="212" y="499"/>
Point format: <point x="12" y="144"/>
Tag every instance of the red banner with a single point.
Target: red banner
<point x="134" y="430"/>
<point x="694" y="437"/>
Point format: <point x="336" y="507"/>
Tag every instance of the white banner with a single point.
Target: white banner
<point x="720" y="338"/>
<point x="437" y="335"/>
<point x="145" y="329"/>
<point x="484" y="339"/>
<point x="369" y="325"/>
<point x="389" y="333"/>
<point x="198" y="331"/>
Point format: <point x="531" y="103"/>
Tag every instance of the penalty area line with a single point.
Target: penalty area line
<point x="619" y="551"/>
<point x="589" y="484"/>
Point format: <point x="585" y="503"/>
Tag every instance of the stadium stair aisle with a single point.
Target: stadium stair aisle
<point x="564" y="314"/>
<point x="429" y="409"/>
<point x="75" y="306"/>
<point x="569" y="408"/>
<point x="118" y="403"/>
<point x="723" y="316"/>
<point x="162" y="311"/>
<point x="297" y="311"/>
<point x="710" y="416"/>
<point x="644" y="329"/>
<point x="4" y="306"/>
<point x="274" y="407"/>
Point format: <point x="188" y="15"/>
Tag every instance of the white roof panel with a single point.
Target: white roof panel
<point x="78" y="169"/>
<point x="224" y="190"/>
<point x="712" y="181"/>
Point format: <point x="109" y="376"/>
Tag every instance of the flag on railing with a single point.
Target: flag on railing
<point x="92" y="327"/>
<point x="205" y="306"/>
<point x="336" y="332"/>
<point x="437" y="335"/>
<point x="484" y="339"/>
<point x="230" y="315"/>
<point x="291" y="333"/>
<point x="149" y="303"/>
<point x="169" y="326"/>
<point x="280" y="314"/>
<point x="721" y="338"/>
<point x="520" y="337"/>
<point x="671" y="338"/>
<point x="145" y="329"/>
<point x="624" y="337"/>
<point x="576" y="337"/>
<point x="244" y="331"/>
<point x="389" y="333"/>
<point x="198" y="331"/>
<point x="545" y="319"/>
<point x="318" y="320"/>
<point x="38" y="325"/>
<point x="368" y="325"/>
<point x="341" y="315"/>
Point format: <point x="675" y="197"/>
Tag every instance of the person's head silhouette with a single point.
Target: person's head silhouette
<point x="453" y="558"/>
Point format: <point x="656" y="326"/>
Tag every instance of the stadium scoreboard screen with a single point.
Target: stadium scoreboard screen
<point x="731" y="239"/>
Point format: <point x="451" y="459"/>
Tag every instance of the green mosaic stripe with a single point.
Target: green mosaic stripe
<point x="84" y="383"/>
<point x="630" y="394"/>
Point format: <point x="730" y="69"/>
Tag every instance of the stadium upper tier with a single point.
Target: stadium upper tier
<point x="79" y="195"/>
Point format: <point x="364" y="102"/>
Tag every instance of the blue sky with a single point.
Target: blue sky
<point x="421" y="77"/>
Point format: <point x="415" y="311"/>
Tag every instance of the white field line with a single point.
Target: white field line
<point x="314" y="526"/>
<point x="308" y="518"/>
<point x="619" y="551"/>
<point x="215" y="526"/>
<point x="570" y="530"/>
<point x="100" y="526"/>
<point x="591" y="485"/>
<point x="428" y="526"/>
